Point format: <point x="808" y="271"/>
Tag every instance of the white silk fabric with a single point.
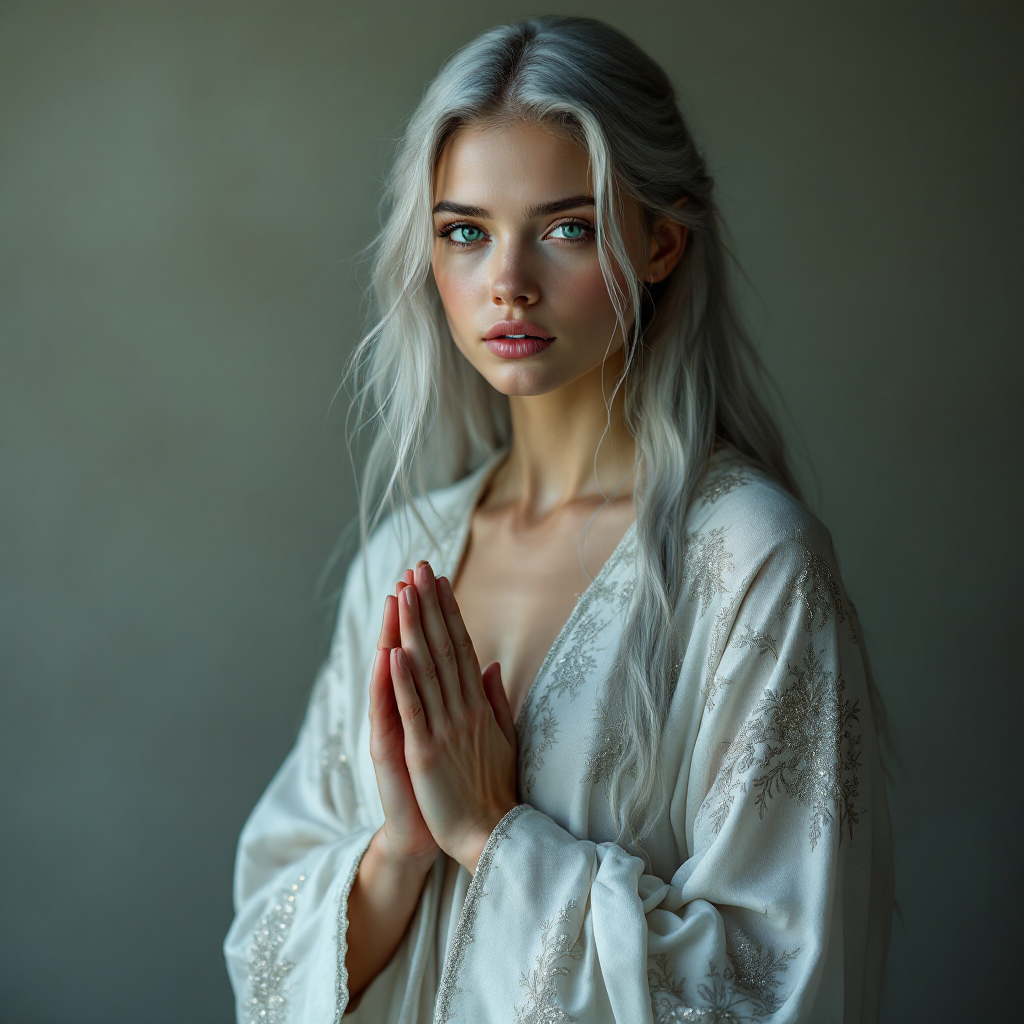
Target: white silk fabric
<point x="767" y="894"/>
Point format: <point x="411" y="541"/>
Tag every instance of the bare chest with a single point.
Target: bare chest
<point x="517" y="585"/>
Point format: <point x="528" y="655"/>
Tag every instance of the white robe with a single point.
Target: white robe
<point x="769" y="893"/>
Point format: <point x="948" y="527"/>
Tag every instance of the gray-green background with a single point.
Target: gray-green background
<point x="183" y="191"/>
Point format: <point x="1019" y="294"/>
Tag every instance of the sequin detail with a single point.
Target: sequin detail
<point x="449" y="987"/>
<point x="541" y="984"/>
<point x="718" y="484"/>
<point x="817" y="590"/>
<point x="800" y="737"/>
<point x="268" y="1001"/>
<point x="745" y="991"/>
<point x="341" y="977"/>
<point x="705" y="566"/>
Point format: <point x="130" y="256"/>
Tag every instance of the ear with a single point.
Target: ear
<point x="665" y="247"/>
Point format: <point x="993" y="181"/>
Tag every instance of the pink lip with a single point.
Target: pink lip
<point x="505" y="327"/>
<point x="500" y="343"/>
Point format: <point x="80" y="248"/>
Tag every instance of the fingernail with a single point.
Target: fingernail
<point x="409" y="593"/>
<point x="403" y="665"/>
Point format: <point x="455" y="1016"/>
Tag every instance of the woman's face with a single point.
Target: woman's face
<point x="515" y="257"/>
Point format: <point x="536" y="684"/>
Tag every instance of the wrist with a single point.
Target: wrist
<point x="397" y="867"/>
<point x="473" y="843"/>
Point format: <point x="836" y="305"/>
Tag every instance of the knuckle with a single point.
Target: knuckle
<point x="464" y="647"/>
<point x="446" y="653"/>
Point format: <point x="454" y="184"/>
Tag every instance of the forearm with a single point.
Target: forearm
<point x="381" y="904"/>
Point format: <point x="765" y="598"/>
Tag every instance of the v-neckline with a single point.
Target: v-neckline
<point x="457" y="552"/>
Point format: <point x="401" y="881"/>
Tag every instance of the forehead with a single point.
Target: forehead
<point x="509" y="167"/>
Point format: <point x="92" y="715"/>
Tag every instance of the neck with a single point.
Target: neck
<point x="556" y="439"/>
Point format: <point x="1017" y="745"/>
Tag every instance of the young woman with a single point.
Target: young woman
<point x="594" y="741"/>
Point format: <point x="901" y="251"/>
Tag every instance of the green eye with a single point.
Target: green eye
<point x="570" y="232"/>
<point x="465" y="235"/>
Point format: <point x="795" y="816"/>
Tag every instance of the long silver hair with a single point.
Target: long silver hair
<point x="691" y="376"/>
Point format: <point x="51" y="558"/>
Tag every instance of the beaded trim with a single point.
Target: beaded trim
<point x="341" y="978"/>
<point x="449" y="988"/>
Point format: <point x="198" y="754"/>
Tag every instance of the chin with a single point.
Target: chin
<point x="523" y="381"/>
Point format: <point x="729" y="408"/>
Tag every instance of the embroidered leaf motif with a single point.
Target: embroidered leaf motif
<point x="755" y="639"/>
<point x="711" y="689"/>
<point x="705" y="567"/>
<point x="745" y="992"/>
<point x="718" y="485"/>
<point x="570" y="663"/>
<point x="817" y="590"/>
<point x="541" y="1005"/>
<point x="801" y="737"/>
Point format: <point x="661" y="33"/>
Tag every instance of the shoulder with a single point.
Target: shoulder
<point x="751" y="543"/>
<point x="745" y="531"/>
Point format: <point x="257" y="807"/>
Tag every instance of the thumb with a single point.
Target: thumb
<point x="495" y="691"/>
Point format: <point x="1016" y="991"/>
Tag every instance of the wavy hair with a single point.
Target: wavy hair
<point x="691" y="376"/>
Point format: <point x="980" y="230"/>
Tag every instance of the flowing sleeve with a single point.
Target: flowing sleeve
<point x="782" y="821"/>
<point x="300" y="849"/>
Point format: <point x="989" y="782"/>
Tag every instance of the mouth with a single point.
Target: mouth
<point x="517" y="339"/>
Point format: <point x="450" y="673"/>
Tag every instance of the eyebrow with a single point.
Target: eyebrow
<point x="557" y="206"/>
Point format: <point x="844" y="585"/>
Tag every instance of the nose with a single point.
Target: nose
<point x="512" y="281"/>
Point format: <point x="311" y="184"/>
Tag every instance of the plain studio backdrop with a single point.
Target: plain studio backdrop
<point x="184" y="191"/>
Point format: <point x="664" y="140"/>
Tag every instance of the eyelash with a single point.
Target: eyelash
<point x="447" y="230"/>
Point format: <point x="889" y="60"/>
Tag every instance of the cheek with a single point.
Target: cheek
<point x="459" y="293"/>
<point x="582" y="294"/>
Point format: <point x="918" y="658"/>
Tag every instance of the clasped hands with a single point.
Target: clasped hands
<point x="442" y="738"/>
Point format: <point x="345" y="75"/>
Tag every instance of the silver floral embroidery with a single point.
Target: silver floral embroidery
<point x="746" y="990"/>
<point x="723" y="620"/>
<point x="756" y="639"/>
<point x="268" y="1002"/>
<point x="570" y="663"/>
<point x="608" y="745"/>
<point x="757" y="970"/>
<point x="817" y="590"/>
<point x="800" y="737"/>
<point x="711" y="689"/>
<point x="541" y="1005"/>
<point x="449" y="987"/>
<point x="705" y="567"/>
<point x="718" y="484"/>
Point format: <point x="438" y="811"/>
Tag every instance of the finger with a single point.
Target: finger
<point x="498" y="699"/>
<point x="386" y="730"/>
<point x="381" y="691"/>
<point x="410" y="706"/>
<point x="417" y="652"/>
<point x="465" y="655"/>
<point x="436" y="633"/>
<point x="408" y="579"/>
<point x="389" y="632"/>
